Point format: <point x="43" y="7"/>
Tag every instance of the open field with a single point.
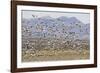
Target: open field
<point x="53" y="55"/>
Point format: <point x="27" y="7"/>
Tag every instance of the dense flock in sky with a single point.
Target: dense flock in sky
<point x="55" y="33"/>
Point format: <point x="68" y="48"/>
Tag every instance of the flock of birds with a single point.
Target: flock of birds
<point x="45" y="30"/>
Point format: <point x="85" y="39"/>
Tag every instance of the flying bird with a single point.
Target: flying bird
<point x="33" y="16"/>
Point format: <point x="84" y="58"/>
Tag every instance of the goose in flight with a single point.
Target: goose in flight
<point x="33" y="16"/>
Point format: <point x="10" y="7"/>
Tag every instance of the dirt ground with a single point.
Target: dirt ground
<point x="53" y="55"/>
